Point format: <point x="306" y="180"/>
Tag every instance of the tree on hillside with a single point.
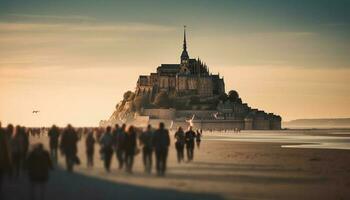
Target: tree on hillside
<point x="233" y="96"/>
<point x="223" y="97"/>
<point x="128" y="96"/>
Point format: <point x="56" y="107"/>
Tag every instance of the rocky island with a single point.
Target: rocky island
<point x="187" y="93"/>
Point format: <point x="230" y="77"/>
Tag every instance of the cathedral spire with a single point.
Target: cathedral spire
<point x="184" y="54"/>
<point x="185" y="45"/>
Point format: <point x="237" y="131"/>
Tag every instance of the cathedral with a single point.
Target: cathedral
<point x="189" y="77"/>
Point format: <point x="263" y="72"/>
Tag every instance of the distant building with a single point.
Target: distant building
<point x="189" y="90"/>
<point x="190" y="77"/>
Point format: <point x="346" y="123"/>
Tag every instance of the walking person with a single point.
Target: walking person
<point x="5" y="157"/>
<point x="69" y="148"/>
<point x="107" y="148"/>
<point x="115" y="135"/>
<point x="90" y="148"/>
<point x="9" y="133"/>
<point x="161" y="142"/>
<point x="54" y="134"/>
<point x="146" y="139"/>
<point x="120" y="145"/>
<point x="38" y="165"/>
<point x="189" y="137"/>
<point x="19" y="147"/>
<point x="130" y="148"/>
<point x="99" y="132"/>
<point x="15" y="153"/>
<point x="180" y="144"/>
<point x="198" y="138"/>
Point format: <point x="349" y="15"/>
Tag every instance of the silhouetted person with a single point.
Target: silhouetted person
<point x="54" y="134"/>
<point x="115" y="133"/>
<point x="19" y="147"/>
<point x="5" y="157"/>
<point x="180" y="144"/>
<point x="146" y="139"/>
<point x="130" y="148"/>
<point x="107" y="148"/>
<point x="9" y="133"/>
<point x="90" y="148"/>
<point x="80" y="132"/>
<point x="38" y="166"/>
<point x="99" y="133"/>
<point x="198" y="138"/>
<point x="161" y="142"/>
<point x="31" y="132"/>
<point x="189" y="137"/>
<point x="68" y="147"/>
<point x="120" y="145"/>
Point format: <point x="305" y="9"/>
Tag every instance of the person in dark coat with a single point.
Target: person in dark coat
<point x="106" y="142"/>
<point x="180" y="144"/>
<point x="19" y="147"/>
<point x="130" y="147"/>
<point x="5" y="156"/>
<point x="9" y="133"/>
<point x="38" y="166"/>
<point x="161" y="142"/>
<point x="120" y="145"/>
<point x="198" y="138"/>
<point x="69" y="148"/>
<point x="147" y="149"/>
<point x="90" y="148"/>
<point x="54" y="134"/>
<point x="115" y="134"/>
<point x="189" y="137"/>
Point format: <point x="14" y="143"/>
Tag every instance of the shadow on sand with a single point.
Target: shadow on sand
<point x="74" y="186"/>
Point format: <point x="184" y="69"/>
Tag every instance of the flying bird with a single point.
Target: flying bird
<point x="35" y="111"/>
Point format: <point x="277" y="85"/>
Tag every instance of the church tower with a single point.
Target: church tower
<point x="184" y="54"/>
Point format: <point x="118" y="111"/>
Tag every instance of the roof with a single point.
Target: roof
<point x="169" y="66"/>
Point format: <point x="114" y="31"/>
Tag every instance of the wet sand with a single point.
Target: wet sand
<point x="221" y="170"/>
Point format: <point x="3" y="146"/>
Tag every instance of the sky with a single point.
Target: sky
<point x="74" y="59"/>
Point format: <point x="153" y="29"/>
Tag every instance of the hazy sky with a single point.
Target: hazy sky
<point x="73" y="60"/>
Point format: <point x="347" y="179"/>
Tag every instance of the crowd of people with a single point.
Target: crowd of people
<point x="125" y="143"/>
<point x="15" y="157"/>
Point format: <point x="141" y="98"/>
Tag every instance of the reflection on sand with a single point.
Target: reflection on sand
<point x="320" y="139"/>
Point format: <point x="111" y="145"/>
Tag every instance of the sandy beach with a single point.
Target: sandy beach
<point x="222" y="169"/>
